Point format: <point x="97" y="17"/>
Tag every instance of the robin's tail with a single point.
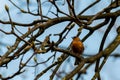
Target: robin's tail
<point x="77" y="61"/>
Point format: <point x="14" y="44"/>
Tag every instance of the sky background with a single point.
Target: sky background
<point x="110" y="70"/>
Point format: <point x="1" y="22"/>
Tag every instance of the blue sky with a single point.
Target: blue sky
<point x="109" y="71"/>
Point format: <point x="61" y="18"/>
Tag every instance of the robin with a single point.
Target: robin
<point x="77" y="48"/>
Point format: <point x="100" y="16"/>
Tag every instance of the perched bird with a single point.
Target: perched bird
<point x="77" y="48"/>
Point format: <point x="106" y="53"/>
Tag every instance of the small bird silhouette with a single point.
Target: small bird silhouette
<point x="77" y="48"/>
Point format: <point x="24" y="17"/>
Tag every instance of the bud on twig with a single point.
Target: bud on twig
<point x="8" y="47"/>
<point x="35" y="59"/>
<point x="6" y="8"/>
<point x="23" y="11"/>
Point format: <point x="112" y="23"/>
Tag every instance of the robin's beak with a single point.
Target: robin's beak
<point x="73" y="37"/>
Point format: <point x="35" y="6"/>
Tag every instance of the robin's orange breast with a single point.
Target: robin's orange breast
<point x="77" y="47"/>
